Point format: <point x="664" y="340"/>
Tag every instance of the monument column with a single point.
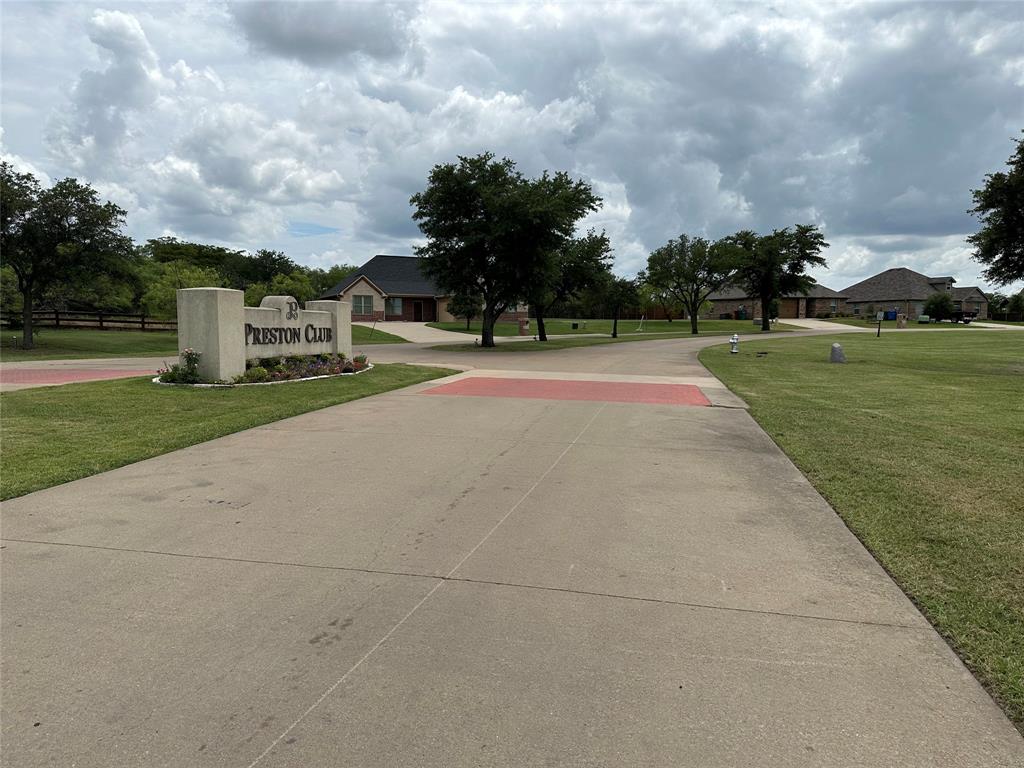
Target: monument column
<point x="341" y="323"/>
<point x="212" y="322"/>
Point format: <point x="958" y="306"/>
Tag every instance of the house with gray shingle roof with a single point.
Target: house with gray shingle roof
<point x="395" y="288"/>
<point x="904" y="290"/>
<point x="734" y="301"/>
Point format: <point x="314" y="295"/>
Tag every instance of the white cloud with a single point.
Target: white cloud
<point x="227" y="122"/>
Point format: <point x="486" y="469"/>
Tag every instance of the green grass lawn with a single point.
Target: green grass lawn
<point x="361" y="335"/>
<point x="72" y="343"/>
<point x="67" y="343"/>
<point x="52" y="435"/>
<point x="918" y="443"/>
<point x="588" y="341"/>
<point x="626" y="333"/>
<point x="861" y="323"/>
<point x="559" y="326"/>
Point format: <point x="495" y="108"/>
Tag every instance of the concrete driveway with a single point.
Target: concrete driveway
<point x="419" y="333"/>
<point x="445" y="579"/>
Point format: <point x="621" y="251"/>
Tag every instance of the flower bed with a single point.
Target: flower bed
<point x="271" y="370"/>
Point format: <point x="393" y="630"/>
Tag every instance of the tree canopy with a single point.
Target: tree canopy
<point x="772" y="266"/>
<point x="491" y="231"/>
<point x="689" y="270"/>
<point x="57" y="236"/>
<point x="999" y="205"/>
<point x="577" y="264"/>
<point x="939" y="306"/>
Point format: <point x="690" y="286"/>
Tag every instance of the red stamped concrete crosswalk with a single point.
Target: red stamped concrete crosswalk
<point x="561" y="389"/>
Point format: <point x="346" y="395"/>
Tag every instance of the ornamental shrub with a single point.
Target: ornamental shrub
<point x="255" y="375"/>
<point x="185" y="372"/>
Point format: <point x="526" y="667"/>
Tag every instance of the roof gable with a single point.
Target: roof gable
<point x="392" y="276"/>
<point x="897" y="284"/>
<point x="733" y="292"/>
<point x="969" y="293"/>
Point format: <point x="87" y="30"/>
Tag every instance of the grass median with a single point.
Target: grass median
<point x="918" y="443"/>
<point x="726" y="328"/>
<point x="81" y="343"/>
<point x="53" y="435"/>
<point x="561" y="326"/>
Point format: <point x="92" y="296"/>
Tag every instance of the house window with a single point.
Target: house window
<point x="393" y="307"/>
<point x="835" y="305"/>
<point x="362" y="305"/>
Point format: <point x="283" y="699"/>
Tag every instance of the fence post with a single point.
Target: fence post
<point x="101" y="320"/>
<point x="56" y="318"/>
<point x="143" y="321"/>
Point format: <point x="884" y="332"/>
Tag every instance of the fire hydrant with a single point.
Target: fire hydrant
<point x="734" y="340"/>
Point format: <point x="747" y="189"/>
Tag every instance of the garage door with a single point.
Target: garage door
<point x="789" y="307"/>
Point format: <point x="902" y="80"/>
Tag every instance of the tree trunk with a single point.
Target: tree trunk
<point x="487" y="331"/>
<point x="615" y="324"/>
<point x="27" y="339"/>
<point x="542" y="334"/>
<point x="693" y="323"/>
<point x="766" y="308"/>
<point x="468" y="319"/>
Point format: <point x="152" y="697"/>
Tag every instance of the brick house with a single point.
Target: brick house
<point x="734" y="301"/>
<point x="906" y="291"/>
<point x="394" y="288"/>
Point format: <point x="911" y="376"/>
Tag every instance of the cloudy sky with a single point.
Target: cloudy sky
<point x="306" y="126"/>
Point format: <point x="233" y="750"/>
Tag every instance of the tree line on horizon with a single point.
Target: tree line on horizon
<point x="494" y="239"/>
<point x="61" y="247"/>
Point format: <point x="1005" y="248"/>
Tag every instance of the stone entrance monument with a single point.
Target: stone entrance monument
<point x="216" y="323"/>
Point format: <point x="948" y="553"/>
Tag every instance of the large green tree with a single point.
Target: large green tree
<point x="999" y="244"/>
<point x="164" y="279"/>
<point x="654" y="296"/>
<point x="577" y="264"/>
<point x="772" y="266"/>
<point x="490" y="230"/>
<point x="238" y="269"/>
<point x="57" y="235"/>
<point x="939" y="306"/>
<point x="690" y="270"/>
<point x="619" y="293"/>
<point x="465" y="305"/>
<point x="324" y="280"/>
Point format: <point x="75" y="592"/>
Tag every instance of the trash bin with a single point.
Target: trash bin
<point x="890" y="314"/>
<point x="524" y="327"/>
<point x="741" y="314"/>
<point x="575" y="326"/>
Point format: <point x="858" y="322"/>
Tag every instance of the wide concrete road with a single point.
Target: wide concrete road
<point x="449" y="580"/>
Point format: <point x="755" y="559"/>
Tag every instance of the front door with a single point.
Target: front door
<point x="417" y="311"/>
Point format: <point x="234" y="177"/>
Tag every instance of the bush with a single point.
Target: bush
<point x="939" y="306"/>
<point x="185" y="372"/>
<point x="255" y="375"/>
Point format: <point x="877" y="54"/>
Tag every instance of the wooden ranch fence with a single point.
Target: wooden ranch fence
<point x="105" y="321"/>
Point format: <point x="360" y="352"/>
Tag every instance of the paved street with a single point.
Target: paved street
<point x="471" y="577"/>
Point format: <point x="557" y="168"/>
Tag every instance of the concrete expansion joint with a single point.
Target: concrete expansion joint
<point x="450" y="577"/>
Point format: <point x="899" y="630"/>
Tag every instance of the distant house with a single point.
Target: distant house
<point x="906" y="291"/>
<point x="394" y="288"/>
<point x="736" y="302"/>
